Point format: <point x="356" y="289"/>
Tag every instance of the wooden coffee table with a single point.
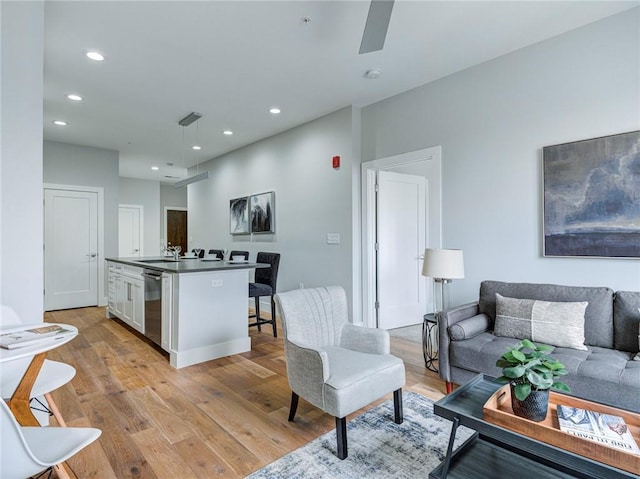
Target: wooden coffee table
<point x="497" y="452"/>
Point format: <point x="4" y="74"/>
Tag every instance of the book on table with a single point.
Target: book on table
<point x="31" y="336"/>
<point x="605" y="429"/>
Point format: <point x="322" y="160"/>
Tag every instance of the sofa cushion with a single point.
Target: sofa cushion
<point x="602" y="365"/>
<point x="559" y="324"/>
<point x="598" y="324"/>
<point x="626" y="320"/>
<point x="470" y="327"/>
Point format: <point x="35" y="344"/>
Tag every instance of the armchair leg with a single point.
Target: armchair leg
<point x="294" y="406"/>
<point x="341" y="435"/>
<point x="449" y="386"/>
<point x="397" y="406"/>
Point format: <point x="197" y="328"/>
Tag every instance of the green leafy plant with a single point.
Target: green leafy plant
<point x="529" y="368"/>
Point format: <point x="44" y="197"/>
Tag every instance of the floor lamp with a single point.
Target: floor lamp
<point x="443" y="265"/>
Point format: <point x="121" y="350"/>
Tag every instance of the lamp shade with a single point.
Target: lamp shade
<point x="443" y="263"/>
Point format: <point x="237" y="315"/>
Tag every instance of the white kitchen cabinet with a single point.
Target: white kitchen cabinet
<point x="126" y="295"/>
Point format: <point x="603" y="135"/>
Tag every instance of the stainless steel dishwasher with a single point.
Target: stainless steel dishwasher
<point x="153" y="305"/>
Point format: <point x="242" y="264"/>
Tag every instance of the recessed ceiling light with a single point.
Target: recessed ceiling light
<point x="227" y="132"/>
<point x="155" y="168"/>
<point x="196" y="147"/>
<point x="60" y="123"/>
<point x="95" y="56"/>
<point x="74" y="97"/>
<point x="274" y="111"/>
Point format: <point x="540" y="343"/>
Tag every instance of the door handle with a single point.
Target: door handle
<point x="92" y="255"/>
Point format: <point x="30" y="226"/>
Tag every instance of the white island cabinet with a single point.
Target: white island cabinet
<point x="126" y="294"/>
<point x="204" y="312"/>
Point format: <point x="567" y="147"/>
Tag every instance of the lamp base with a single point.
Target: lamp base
<point x="444" y="293"/>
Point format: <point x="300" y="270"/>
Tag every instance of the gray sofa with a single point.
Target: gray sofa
<point x="605" y="371"/>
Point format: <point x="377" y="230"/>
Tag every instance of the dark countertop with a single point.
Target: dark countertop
<point x="184" y="265"/>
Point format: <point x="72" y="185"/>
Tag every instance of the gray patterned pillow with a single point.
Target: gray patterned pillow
<point x="557" y="324"/>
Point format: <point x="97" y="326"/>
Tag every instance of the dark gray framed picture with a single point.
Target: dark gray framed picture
<point x="263" y="213"/>
<point x="239" y="216"/>
<point x="592" y="197"/>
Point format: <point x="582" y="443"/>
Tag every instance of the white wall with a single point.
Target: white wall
<point x="147" y="194"/>
<point x="311" y="200"/>
<point x="170" y="196"/>
<point x="492" y="122"/>
<point x="68" y="164"/>
<point x="21" y="210"/>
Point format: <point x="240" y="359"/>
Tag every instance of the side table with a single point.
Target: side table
<point x="429" y="335"/>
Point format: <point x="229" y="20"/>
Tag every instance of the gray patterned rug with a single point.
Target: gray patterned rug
<point x="378" y="447"/>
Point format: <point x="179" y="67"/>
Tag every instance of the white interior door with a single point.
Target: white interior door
<point x="401" y="238"/>
<point x="71" y="249"/>
<point x="130" y="229"/>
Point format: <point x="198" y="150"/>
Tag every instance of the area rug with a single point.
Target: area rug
<point x="378" y="447"/>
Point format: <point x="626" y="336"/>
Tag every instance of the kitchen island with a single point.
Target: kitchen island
<point x="194" y="309"/>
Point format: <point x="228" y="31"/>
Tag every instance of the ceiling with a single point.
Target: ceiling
<point x="233" y="60"/>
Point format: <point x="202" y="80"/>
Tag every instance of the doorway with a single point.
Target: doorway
<point x="73" y="246"/>
<point x="416" y="299"/>
<point x="175" y="220"/>
<point x="130" y="230"/>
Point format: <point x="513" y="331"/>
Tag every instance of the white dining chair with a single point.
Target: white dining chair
<point x="52" y="375"/>
<point x="29" y="450"/>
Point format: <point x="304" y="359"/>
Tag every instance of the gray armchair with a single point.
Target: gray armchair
<point x="336" y="366"/>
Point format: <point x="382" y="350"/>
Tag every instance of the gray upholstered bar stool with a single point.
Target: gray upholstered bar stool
<point x="264" y="284"/>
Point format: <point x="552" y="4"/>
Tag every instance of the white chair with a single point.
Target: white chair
<point x="333" y="364"/>
<point x="52" y="375"/>
<point x="29" y="450"/>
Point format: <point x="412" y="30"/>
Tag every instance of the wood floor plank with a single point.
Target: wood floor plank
<point x="93" y="462"/>
<point x="166" y="461"/>
<point x="170" y="426"/>
<point x="224" y="418"/>
<point x="203" y="460"/>
<point x="126" y="459"/>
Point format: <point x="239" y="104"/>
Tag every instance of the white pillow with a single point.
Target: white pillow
<point x="557" y="324"/>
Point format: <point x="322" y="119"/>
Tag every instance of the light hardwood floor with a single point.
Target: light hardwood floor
<point x="223" y="418"/>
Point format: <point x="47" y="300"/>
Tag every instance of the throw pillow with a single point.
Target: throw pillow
<point x="557" y="324"/>
<point x="470" y="327"/>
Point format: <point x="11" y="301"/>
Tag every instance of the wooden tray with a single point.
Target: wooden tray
<point x="497" y="410"/>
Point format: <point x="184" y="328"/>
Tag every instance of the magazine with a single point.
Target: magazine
<point x="31" y="336"/>
<point x="605" y="429"/>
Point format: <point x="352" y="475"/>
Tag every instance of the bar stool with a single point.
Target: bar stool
<point x="265" y="285"/>
<point x="218" y="252"/>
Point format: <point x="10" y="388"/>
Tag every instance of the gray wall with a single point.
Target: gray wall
<point x="492" y="122"/>
<point x="21" y="210"/>
<point x="311" y="198"/>
<point x="68" y="164"/>
<point x="170" y="196"/>
<point x="147" y="194"/>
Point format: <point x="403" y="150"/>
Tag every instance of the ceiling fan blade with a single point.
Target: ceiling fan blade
<point x="375" y="30"/>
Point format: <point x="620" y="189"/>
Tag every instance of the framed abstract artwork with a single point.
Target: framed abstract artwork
<point x="263" y="213"/>
<point x="592" y="197"/>
<point x="239" y="216"/>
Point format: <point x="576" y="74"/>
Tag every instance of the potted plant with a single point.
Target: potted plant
<point x="530" y="372"/>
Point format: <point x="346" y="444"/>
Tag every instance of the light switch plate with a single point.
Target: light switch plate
<point x="333" y="238"/>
